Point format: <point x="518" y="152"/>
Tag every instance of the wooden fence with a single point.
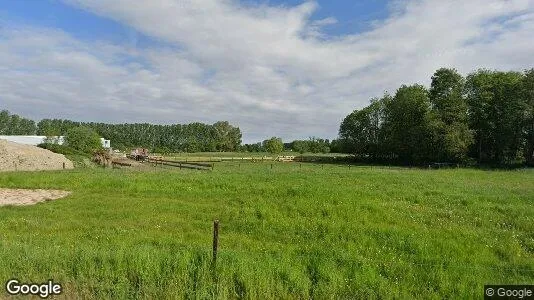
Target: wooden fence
<point x="226" y="159"/>
<point x="181" y="164"/>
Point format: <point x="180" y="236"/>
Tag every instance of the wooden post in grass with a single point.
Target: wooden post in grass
<point x="215" y="240"/>
<point x="63" y="165"/>
<point x="271" y="166"/>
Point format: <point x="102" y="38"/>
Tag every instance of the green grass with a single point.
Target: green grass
<point x="287" y="232"/>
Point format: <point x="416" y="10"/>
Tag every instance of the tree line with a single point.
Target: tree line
<point x="11" y="124"/>
<point x="194" y="137"/>
<point x="486" y="117"/>
<point x="312" y="145"/>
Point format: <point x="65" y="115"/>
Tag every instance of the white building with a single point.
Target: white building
<point x="35" y="140"/>
<point x="105" y="143"/>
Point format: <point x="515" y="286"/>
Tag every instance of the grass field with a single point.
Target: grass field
<point x="288" y="232"/>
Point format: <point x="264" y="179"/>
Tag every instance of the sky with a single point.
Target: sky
<point x="287" y="68"/>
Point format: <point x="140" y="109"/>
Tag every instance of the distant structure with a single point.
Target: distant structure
<point x="105" y="143"/>
<point x="35" y="140"/>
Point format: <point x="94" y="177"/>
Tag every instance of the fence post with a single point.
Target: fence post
<point x="215" y="240"/>
<point x="63" y="165"/>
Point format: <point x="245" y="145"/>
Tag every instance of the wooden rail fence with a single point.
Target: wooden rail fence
<point x="181" y="164"/>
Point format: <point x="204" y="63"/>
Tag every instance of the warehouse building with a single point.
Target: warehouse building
<point x="35" y="140"/>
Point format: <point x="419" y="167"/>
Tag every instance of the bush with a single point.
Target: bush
<point x="61" y="149"/>
<point x="83" y="139"/>
<point x="274" y="145"/>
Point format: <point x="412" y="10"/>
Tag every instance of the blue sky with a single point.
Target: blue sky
<point x="283" y="68"/>
<point x="352" y="17"/>
<point x="78" y="22"/>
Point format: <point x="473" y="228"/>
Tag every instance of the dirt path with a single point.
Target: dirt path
<point x="29" y="197"/>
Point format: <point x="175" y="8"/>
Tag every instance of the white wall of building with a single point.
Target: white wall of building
<point x="105" y="143"/>
<point x="35" y="140"/>
<point x="25" y="139"/>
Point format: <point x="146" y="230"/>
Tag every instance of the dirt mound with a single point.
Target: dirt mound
<point x="29" y="197"/>
<point x="19" y="157"/>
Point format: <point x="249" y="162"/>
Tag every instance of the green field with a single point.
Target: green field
<point x="290" y="232"/>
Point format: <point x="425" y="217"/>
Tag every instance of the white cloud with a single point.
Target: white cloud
<point x="270" y="70"/>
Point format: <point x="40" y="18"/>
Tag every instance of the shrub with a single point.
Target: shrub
<point x="83" y="139"/>
<point x="274" y="145"/>
<point x="61" y="149"/>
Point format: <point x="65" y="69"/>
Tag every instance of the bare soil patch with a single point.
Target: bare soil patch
<point x="29" y="197"/>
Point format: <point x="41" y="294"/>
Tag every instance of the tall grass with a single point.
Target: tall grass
<point x="287" y="232"/>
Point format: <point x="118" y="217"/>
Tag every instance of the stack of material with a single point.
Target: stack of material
<point x="18" y="157"/>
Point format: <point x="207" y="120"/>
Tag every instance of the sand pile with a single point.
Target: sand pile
<point x="29" y="197"/>
<point x="19" y="157"/>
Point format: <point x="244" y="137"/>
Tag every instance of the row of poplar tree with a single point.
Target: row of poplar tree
<point x="194" y="137"/>
<point x="486" y="117"/>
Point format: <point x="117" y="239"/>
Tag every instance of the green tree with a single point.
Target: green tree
<point x="354" y="132"/>
<point x="317" y="145"/>
<point x="274" y="145"/>
<point x="228" y="137"/>
<point x="300" y="146"/>
<point x="4" y="122"/>
<point x="257" y="147"/>
<point x="337" y="146"/>
<point x="528" y="98"/>
<point x="496" y="114"/>
<point x="11" y="124"/>
<point x="451" y="134"/>
<point x="407" y="124"/>
<point x="361" y="132"/>
<point x="83" y="139"/>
